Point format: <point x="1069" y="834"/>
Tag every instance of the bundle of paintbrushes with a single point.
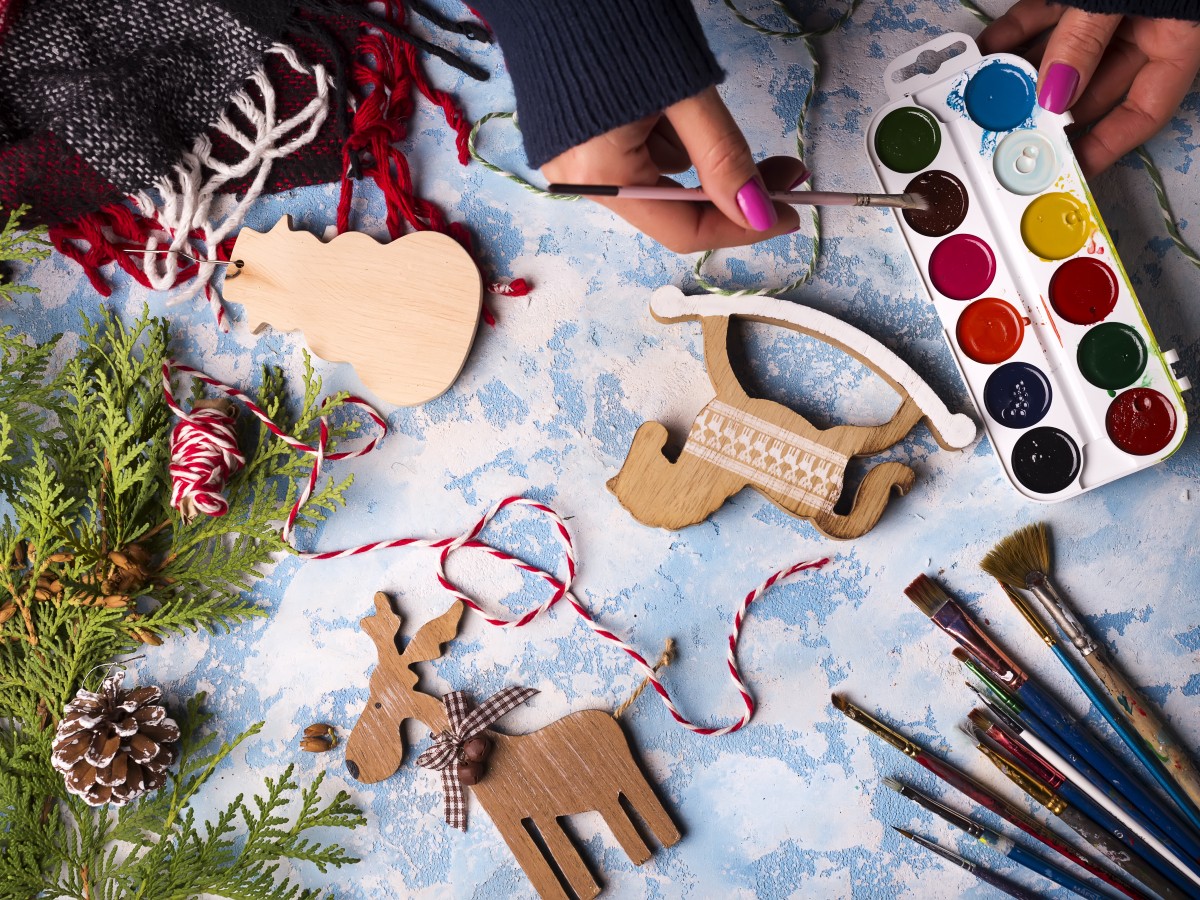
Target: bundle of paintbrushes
<point x="1054" y="758"/>
<point x="1151" y="836"/>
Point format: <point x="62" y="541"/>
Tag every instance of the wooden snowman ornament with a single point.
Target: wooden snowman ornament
<point x="404" y="314"/>
<point x="738" y="440"/>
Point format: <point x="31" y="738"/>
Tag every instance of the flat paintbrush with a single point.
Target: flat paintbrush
<point x="948" y="615"/>
<point x="984" y="796"/>
<point x="996" y="841"/>
<point x="1086" y="827"/>
<point x="1089" y="767"/>
<point x="1182" y="834"/>
<point x="1022" y="561"/>
<point x="794" y="198"/>
<point x="1059" y="777"/>
<point x="985" y="875"/>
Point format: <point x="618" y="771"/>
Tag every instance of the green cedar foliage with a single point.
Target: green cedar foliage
<point x="21" y="246"/>
<point x="95" y="563"/>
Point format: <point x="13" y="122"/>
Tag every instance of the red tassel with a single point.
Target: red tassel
<point x="102" y="237"/>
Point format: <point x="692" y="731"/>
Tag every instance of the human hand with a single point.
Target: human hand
<point x="697" y="131"/>
<point x="1125" y="76"/>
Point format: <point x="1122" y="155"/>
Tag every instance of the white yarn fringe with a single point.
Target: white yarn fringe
<point x="186" y="195"/>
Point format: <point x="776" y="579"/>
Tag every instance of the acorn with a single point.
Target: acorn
<point x="319" y="730"/>
<point x="477" y="749"/>
<point x="315" y="744"/>
<point x="470" y="772"/>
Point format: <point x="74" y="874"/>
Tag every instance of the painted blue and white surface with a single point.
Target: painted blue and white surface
<point x="793" y="805"/>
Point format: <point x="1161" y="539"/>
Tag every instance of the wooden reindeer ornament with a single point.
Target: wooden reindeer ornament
<point x="404" y="314"/>
<point x="738" y="441"/>
<point x="579" y="763"/>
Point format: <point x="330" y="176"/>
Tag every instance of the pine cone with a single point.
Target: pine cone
<point x="115" y="745"/>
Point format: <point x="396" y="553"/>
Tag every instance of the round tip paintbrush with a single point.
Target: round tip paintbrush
<point x="996" y="841"/>
<point x="1022" y="561"/>
<point x="913" y="200"/>
<point x="985" y="875"/>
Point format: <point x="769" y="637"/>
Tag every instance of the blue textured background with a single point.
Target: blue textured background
<point x="549" y="400"/>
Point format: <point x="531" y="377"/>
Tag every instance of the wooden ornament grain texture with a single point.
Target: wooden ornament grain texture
<point x="739" y="441"/>
<point x="404" y="314"/>
<point x="579" y="763"/>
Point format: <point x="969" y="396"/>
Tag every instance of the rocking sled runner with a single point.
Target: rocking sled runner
<point x="579" y="763"/>
<point x="738" y="441"/>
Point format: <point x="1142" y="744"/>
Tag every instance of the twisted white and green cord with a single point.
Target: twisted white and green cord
<point x="798" y="31"/>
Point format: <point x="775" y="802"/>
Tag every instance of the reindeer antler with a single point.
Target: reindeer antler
<point x="383" y="626"/>
<point x="427" y="643"/>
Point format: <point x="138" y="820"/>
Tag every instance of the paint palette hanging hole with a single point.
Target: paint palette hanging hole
<point x="929" y="62"/>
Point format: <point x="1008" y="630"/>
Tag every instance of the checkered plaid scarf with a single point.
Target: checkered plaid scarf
<point x="122" y="123"/>
<point x="465" y="723"/>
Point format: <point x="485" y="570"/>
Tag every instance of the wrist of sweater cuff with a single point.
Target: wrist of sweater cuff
<point x="583" y="67"/>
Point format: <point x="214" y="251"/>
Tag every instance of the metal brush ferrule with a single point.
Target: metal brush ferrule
<point x="953" y="816"/>
<point x="953" y="620"/>
<point x="1025" y="781"/>
<point x="1031" y="617"/>
<point x="1037" y="766"/>
<point x="873" y="725"/>
<point x="886" y="200"/>
<point x="1042" y="588"/>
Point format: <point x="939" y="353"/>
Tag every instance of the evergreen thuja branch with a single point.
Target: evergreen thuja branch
<point x="187" y="859"/>
<point x="19" y="245"/>
<point x="93" y="563"/>
<point x="26" y="403"/>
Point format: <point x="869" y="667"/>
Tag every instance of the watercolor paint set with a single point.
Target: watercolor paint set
<point x="1070" y="383"/>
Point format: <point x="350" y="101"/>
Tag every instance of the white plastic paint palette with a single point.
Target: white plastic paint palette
<point x="1071" y="385"/>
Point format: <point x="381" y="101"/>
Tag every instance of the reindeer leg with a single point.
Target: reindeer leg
<point x="645" y="802"/>
<point x="530" y="858"/>
<point x="624" y="831"/>
<point x="567" y="858"/>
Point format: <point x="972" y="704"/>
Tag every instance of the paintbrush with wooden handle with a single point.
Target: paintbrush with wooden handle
<point x="1022" y="561"/>
<point x="795" y="198"/>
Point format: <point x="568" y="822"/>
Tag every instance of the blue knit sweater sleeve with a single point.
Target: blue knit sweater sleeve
<point x="583" y="67"/>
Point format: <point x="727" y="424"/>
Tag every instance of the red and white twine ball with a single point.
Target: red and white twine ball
<point x="204" y="455"/>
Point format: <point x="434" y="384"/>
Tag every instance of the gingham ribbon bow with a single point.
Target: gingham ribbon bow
<point x="465" y="723"/>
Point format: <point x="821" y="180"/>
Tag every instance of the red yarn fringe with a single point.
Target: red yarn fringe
<point x="386" y="76"/>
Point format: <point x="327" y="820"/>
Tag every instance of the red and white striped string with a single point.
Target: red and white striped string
<point x="204" y="454"/>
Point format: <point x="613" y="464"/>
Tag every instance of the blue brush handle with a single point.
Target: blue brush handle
<point x="1060" y="876"/>
<point x="1182" y="837"/>
<point x="1145" y="806"/>
<point x="1003" y="884"/>
<point x="1079" y="799"/>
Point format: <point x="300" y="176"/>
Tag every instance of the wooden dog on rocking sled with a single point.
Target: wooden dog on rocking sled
<point x="738" y="441"/>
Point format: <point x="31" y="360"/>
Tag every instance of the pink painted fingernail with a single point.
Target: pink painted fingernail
<point x="1058" y="87"/>
<point x="756" y="206"/>
<point x="804" y="176"/>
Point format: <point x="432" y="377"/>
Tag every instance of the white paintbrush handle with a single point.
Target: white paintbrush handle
<point x="1111" y="808"/>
